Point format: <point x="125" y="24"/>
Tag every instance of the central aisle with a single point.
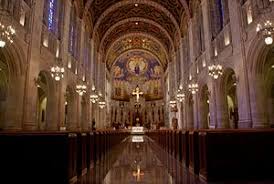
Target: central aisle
<point x="139" y="160"/>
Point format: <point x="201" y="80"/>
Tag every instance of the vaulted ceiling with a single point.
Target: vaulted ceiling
<point x="158" y="21"/>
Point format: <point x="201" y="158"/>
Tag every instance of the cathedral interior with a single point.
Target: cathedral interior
<point x="136" y="91"/>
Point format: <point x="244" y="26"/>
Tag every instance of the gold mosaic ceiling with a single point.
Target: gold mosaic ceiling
<point x="159" y="19"/>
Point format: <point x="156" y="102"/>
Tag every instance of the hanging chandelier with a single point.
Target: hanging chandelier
<point x="81" y="89"/>
<point x="180" y="96"/>
<point x="193" y="88"/>
<point x="215" y="71"/>
<point x="267" y="30"/>
<point x="93" y="97"/>
<point x="7" y="34"/>
<point x="57" y="72"/>
<point x="172" y="103"/>
<point x="102" y="104"/>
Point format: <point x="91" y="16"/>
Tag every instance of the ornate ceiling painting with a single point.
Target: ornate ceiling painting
<point x="142" y="11"/>
<point x="137" y="68"/>
<point x="141" y="27"/>
<point x="98" y="7"/>
<point x="136" y="41"/>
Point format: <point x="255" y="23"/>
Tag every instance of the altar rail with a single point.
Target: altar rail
<point x="219" y="155"/>
<point x="53" y="157"/>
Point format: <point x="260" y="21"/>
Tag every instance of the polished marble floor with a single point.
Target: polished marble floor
<point x="140" y="160"/>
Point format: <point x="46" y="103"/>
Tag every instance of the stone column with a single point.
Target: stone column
<point x="63" y="55"/>
<point x="189" y="113"/>
<point x="14" y="104"/>
<point x="221" y="107"/>
<point x="240" y="65"/>
<point x="258" y="105"/>
<point x="213" y="104"/>
<point x="196" y="111"/>
<point x="30" y="99"/>
<point x="72" y="112"/>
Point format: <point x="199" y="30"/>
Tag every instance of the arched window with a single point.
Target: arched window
<point x="73" y="34"/>
<point x="53" y="12"/>
<point x="219" y="15"/>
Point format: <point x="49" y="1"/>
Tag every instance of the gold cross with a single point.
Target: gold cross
<point x="138" y="173"/>
<point x="137" y="92"/>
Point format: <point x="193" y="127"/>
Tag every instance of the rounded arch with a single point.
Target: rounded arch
<point x="204" y="117"/>
<point x="140" y="35"/>
<point x="12" y="77"/>
<point x="170" y="43"/>
<point x="228" y="116"/>
<point x="183" y="2"/>
<point x="46" y="102"/>
<point x="256" y="56"/>
<point x="128" y="2"/>
<point x="261" y="83"/>
<point x="190" y="111"/>
<point x="132" y="50"/>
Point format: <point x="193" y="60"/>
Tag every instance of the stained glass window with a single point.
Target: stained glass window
<point x="51" y="13"/>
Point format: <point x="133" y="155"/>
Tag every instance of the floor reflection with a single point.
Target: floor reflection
<point x="141" y="160"/>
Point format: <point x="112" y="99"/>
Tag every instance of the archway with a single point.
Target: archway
<point x="11" y="87"/>
<point x="46" y="102"/>
<point x="84" y="112"/>
<point x="262" y="88"/>
<point x="70" y="108"/>
<point x="4" y="73"/>
<point x="190" y="112"/>
<point x="228" y="92"/>
<point x="204" y="108"/>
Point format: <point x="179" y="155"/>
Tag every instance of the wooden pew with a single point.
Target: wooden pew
<point x="194" y="161"/>
<point x="82" y="152"/>
<point x="236" y="154"/>
<point x="185" y="148"/>
<point x="35" y="157"/>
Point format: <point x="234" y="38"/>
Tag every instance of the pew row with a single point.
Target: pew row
<point x="53" y="157"/>
<point x="221" y="154"/>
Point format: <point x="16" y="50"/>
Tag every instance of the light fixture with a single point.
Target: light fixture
<point x="7" y="34"/>
<point x="102" y="104"/>
<point x="180" y="95"/>
<point x="215" y="71"/>
<point x="193" y="88"/>
<point x="267" y="30"/>
<point x="57" y="72"/>
<point x="172" y="103"/>
<point x="136" y="23"/>
<point x="81" y="89"/>
<point x="136" y="5"/>
<point x="93" y="97"/>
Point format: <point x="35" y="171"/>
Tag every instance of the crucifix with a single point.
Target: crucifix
<point x="138" y="173"/>
<point x="137" y="92"/>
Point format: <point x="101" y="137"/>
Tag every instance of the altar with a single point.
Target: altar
<point x="137" y="130"/>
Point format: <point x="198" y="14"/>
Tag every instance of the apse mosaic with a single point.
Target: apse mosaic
<point x="137" y="68"/>
<point x="136" y="42"/>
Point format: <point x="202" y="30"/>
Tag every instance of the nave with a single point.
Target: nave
<point x="155" y="157"/>
<point x="141" y="159"/>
